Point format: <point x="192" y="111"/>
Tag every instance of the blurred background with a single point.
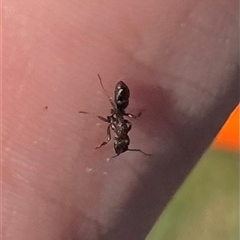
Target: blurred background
<point x="206" y="207"/>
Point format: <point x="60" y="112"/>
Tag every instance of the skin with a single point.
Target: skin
<point x="180" y="61"/>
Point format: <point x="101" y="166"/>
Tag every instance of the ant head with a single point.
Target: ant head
<point x="121" y="144"/>
<point x="121" y="95"/>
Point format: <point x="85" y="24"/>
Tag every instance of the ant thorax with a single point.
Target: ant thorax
<point x="120" y="126"/>
<point x="117" y="113"/>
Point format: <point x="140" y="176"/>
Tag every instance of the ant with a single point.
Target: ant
<point x="117" y="123"/>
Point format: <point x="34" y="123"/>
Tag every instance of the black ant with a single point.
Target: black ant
<point x="117" y="123"/>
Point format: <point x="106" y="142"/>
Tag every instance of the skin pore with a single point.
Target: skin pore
<point x="180" y="61"/>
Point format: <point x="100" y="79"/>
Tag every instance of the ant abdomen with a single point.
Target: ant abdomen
<point x="121" y="144"/>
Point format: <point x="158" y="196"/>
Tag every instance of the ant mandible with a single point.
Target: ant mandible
<point x="117" y="123"/>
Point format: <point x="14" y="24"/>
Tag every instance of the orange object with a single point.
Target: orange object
<point x="228" y="137"/>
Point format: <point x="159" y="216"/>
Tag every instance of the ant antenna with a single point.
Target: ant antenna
<point x="109" y="98"/>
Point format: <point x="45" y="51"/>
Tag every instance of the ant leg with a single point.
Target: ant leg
<point x="108" y="137"/>
<point x="133" y="116"/>
<point x="110" y="158"/>
<point x="139" y="150"/>
<point x="102" y="165"/>
<point x="100" y="117"/>
<point x="103" y="119"/>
